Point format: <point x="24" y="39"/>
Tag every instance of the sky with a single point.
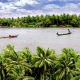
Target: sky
<point x="22" y="8"/>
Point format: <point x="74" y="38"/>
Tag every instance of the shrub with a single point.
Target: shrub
<point x="53" y="26"/>
<point x="68" y="25"/>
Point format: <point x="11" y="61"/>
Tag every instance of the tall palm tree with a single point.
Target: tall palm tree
<point x="42" y="61"/>
<point x="66" y="64"/>
<point x="2" y="69"/>
<point x="15" y="63"/>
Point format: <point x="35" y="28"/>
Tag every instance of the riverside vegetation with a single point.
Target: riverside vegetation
<point x="44" y="64"/>
<point x="63" y="20"/>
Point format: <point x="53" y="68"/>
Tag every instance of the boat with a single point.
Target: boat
<point x="12" y="36"/>
<point x="64" y="33"/>
<point x="9" y="36"/>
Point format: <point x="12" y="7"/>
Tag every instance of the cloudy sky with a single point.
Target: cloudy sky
<point x="19" y="8"/>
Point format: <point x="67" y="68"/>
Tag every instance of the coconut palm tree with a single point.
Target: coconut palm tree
<point x="2" y="70"/>
<point x="15" y="63"/>
<point x="76" y="73"/>
<point x="42" y="62"/>
<point x="66" y="64"/>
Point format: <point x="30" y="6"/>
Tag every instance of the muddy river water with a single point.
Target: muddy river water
<point x="45" y="37"/>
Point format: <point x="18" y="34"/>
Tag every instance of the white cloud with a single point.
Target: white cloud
<point x="33" y="8"/>
<point x="1" y="4"/>
<point x="78" y="5"/>
<point x="51" y="7"/>
<point x="23" y="2"/>
<point x="63" y="0"/>
<point x="68" y="0"/>
<point x="66" y="7"/>
<point x="51" y="0"/>
<point x="70" y="6"/>
<point x="7" y="8"/>
<point x="25" y="12"/>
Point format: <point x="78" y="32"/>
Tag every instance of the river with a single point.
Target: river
<point x="44" y="37"/>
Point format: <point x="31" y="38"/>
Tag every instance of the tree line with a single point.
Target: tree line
<point x="44" y="64"/>
<point x="63" y="20"/>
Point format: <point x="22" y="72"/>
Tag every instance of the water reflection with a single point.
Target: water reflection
<point x="45" y="37"/>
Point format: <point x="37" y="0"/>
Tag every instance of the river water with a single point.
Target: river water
<point x="44" y="37"/>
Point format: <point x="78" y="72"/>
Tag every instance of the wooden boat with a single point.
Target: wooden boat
<point x="10" y="36"/>
<point x="64" y="33"/>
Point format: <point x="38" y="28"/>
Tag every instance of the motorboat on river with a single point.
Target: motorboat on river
<point x="9" y="36"/>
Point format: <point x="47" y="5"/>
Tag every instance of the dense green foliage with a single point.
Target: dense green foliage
<point x="45" y="64"/>
<point x="63" y="20"/>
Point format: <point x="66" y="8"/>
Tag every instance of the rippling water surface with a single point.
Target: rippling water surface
<point x="45" y="37"/>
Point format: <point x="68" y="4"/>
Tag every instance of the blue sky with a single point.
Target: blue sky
<point x="19" y="8"/>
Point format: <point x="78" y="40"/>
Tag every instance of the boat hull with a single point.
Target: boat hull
<point x="63" y="34"/>
<point x="10" y="36"/>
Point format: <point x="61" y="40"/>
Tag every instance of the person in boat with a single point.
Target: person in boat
<point x="9" y="35"/>
<point x="69" y="31"/>
<point x="57" y="33"/>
